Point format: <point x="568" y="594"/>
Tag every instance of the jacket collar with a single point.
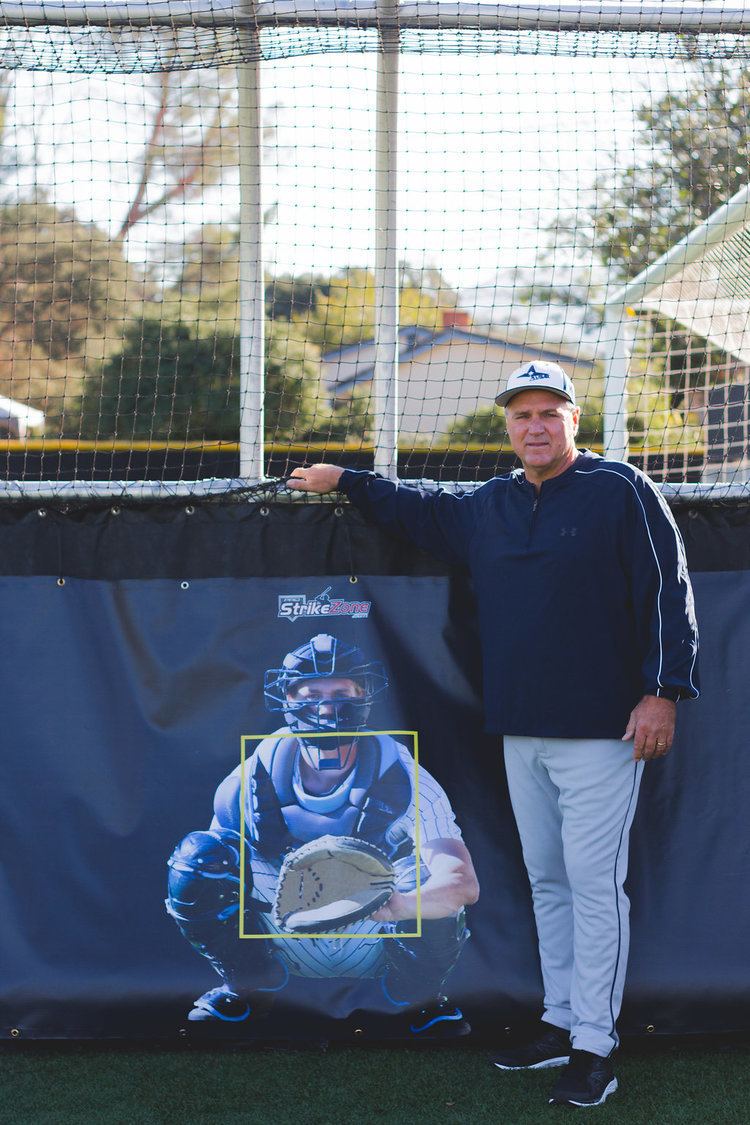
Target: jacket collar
<point x="553" y="483"/>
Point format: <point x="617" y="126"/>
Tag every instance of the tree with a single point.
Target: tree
<point x="170" y="382"/>
<point x="335" y="310"/>
<point x="296" y="297"/>
<point x="344" y="311"/>
<point x="190" y="135"/>
<point x="65" y="289"/>
<point x="484" y="426"/>
<point x="693" y="153"/>
<point x="348" y="421"/>
<point x="191" y="141"/>
<point x="207" y="285"/>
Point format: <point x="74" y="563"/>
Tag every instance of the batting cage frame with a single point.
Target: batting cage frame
<point x="153" y="622"/>
<point x="173" y="35"/>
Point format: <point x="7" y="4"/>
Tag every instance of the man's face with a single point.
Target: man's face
<point x="542" y="428"/>
<point x="322" y="696"/>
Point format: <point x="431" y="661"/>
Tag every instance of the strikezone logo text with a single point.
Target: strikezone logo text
<point x="295" y="606"/>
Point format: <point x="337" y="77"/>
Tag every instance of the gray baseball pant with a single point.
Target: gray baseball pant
<point x="574" y="802"/>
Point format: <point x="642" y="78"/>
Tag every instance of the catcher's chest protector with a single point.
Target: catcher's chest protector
<point x="372" y="804"/>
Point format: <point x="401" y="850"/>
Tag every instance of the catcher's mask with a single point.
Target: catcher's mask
<point x="298" y="690"/>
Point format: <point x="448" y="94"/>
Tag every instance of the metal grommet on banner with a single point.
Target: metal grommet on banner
<point x="340" y="511"/>
<point x="264" y="511"/>
<point x="358" y="1031"/>
<point x="61" y="582"/>
<point x="189" y="510"/>
<point x="42" y="512"/>
<point x="184" y="585"/>
<point x="650" y="1029"/>
<point x="14" y="1033"/>
<point x="114" y="511"/>
<point x="182" y="1033"/>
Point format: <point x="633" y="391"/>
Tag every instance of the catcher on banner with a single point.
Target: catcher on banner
<point x="330" y="827"/>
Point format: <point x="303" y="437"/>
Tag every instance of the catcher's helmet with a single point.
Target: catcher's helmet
<point x="324" y="657"/>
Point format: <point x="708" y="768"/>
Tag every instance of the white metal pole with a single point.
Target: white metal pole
<point x="617" y="364"/>
<point x="251" y="310"/>
<point x="385" y="375"/>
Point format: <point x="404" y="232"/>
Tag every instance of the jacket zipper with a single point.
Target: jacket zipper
<point x="534" y="508"/>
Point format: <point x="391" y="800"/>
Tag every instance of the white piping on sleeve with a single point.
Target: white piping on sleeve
<point x="621" y="476"/>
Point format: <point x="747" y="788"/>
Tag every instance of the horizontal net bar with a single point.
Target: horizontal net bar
<point x="142" y="38"/>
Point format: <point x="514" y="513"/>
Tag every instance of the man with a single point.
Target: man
<point x="589" y="640"/>
<point x="304" y="782"/>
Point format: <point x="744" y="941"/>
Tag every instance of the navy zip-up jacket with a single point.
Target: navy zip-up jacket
<point x="584" y="599"/>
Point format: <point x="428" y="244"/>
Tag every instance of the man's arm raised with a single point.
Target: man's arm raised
<point x="316" y="478"/>
<point x="436" y="521"/>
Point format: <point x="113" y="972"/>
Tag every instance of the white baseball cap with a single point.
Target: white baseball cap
<point x="538" y="376"/>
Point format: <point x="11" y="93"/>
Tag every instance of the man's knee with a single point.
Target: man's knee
<point x="591" y="875"/>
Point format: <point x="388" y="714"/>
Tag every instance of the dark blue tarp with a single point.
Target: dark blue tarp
<point x="128" y="687"/>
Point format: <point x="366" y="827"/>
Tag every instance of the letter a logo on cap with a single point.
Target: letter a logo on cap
<point x="532" y="375"/>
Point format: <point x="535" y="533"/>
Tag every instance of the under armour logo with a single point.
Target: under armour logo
<point x="532" y="373"/>
<point x="568" y="530"/>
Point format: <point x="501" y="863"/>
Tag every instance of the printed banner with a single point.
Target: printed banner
<point x="172" y="742"/>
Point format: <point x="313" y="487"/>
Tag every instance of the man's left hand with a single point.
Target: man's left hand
<point x="651" y="727"/>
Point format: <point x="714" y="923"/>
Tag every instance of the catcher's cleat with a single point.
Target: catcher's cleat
<point x="441" y="1020"/>
<point x="220" y="1004"/>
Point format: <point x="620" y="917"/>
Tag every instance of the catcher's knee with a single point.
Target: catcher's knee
<point x="441" y="941"/>
<point x="203" y="883"/>
<point x="417" y="968"/>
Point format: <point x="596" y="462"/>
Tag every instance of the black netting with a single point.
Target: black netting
<point x="143" y="48"/>
<point x="149" y="285"/>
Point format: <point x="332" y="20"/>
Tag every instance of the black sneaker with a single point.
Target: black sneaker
<point x="441" y="1020"/>
<point x="551" y="1047"/>
<point x="587" y="1080"/>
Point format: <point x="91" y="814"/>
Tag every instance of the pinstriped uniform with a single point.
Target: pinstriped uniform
<point x="360" y="956"/>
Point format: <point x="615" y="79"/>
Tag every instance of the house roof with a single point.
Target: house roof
<point x="9" y="408"/>
<point x="703" y="281"/>
<point x="414" y="341"/>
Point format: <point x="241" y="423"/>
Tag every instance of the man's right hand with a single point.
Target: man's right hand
<point x="316" y="478"/>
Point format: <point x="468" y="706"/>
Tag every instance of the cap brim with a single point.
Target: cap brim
<point x="504" y="398"/>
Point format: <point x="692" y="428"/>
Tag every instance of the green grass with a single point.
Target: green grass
<point x="690" y="1081"/>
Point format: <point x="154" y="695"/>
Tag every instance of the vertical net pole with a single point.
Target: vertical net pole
<point x="616" y="365"/>
<point x="385" y="376"/>
<point x="251" y="287"/>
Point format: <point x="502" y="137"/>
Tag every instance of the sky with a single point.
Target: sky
<point x="490" y="147"/>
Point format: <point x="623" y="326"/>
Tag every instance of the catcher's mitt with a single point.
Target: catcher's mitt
<point x="331" y="882"/>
